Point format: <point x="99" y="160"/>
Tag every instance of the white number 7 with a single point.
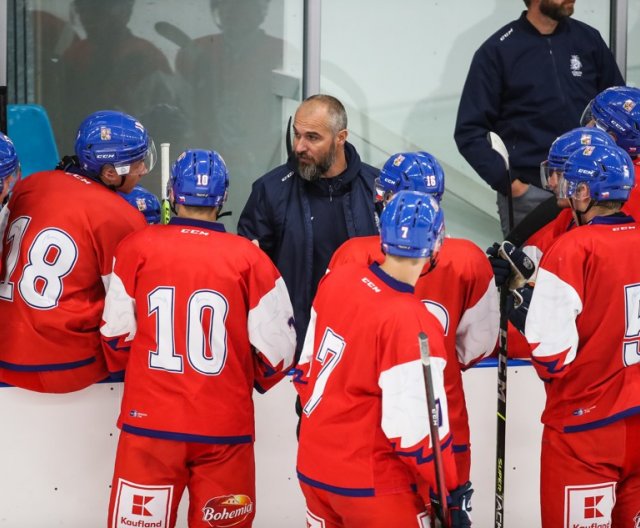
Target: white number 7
<point x="329" y="355"/>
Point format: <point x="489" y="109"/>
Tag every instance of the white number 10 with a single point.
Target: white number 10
<point x="206" y="351"/>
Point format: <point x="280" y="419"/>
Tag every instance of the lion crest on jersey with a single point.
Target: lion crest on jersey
<point x="141" y="204"/>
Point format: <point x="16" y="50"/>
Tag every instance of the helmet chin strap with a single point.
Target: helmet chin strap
<point x="579" y="214"/>
<point x="433" y="261"/>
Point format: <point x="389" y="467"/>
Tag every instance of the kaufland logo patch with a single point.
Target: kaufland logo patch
<point x="227" y="510"/>
<point x="140" y="506"/>
<point x="589" y="506"/>
<point x="140" y="503"/>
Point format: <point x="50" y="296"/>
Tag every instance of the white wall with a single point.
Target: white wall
<point x="57" y="454"/>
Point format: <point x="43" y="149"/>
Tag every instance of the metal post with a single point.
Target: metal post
<point x="311" y="47"/>
<point x="618" y="33"/>
<point x="3" y="66"/>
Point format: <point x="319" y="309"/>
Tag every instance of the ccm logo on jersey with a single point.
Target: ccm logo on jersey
<point x="194" y="232"/>
<point x="371" y="285"/>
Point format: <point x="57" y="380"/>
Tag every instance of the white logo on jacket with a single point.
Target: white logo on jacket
<point x="576" y="66"/>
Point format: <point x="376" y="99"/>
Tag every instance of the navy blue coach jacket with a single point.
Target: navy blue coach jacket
<point x="278" y="215"/>
<point x="529" y="88"/>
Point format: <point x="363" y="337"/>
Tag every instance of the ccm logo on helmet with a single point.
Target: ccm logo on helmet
<point x="106" y="156"/>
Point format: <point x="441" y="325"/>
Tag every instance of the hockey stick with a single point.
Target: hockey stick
<point x="165" y="214"/>
<point x="433" y="427"/>
<point x="535" y="220"/>
<point x="498" y="145"/>
<point x="173" y="34"/>
<point x="287" y="138"/>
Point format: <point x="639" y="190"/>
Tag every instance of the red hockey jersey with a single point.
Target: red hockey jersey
<point x="198" y="317"/>
<point x="60" y="232"/>
<point x="584" y="324"/>
<point x="461" y="293"/>
<point x="365" y="428"/>
<point x="541" y="241"/>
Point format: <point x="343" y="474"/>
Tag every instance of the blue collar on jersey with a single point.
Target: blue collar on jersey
<point x="214" y="226"/>
<point x="613" y="219"/>
<point x="389" y="280"/>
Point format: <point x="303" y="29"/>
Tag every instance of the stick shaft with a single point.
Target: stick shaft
<point x="165" y="160"/>
<point x="434" y="422"/>
<point x="501" y="411"/>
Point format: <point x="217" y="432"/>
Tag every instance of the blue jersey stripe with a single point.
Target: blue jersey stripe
<point x="184" y="437"/>
<point x="47" y="367"/>
<point x="347" y="492"/>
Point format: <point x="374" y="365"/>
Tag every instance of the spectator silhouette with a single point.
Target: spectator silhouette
<point x="233" y="107"/>
<point x="113" y="68"/>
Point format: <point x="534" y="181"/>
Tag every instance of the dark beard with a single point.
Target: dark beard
<point x="315" y="171"/>
<point x="556" y="12"/>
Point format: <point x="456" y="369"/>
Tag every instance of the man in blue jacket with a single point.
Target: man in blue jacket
<point x="301" y="212"/>
<point x="529" y="83"/>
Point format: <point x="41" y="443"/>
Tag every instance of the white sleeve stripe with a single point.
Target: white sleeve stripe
<point x="404" y="402"/>
<point x="119" y="309"/>
<point x="270" y="326"/>
<point x="551" y="320"/>
<point x="478" y="328"/>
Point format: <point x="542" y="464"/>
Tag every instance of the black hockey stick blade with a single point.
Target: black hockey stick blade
<point x="287" y="138"/>
<point x="535" y="220"/>
<point x="173" y="33"/>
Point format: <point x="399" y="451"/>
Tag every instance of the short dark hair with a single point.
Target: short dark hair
<point x="335" y="109"/>
<point x="527" y="3"/>
<point x="611" y="205"/>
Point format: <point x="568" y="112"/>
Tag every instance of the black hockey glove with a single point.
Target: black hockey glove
<point x="501" y="268"/>
<point x="459" y="501"/>
<point x="518" y="306"/>
<point x="520" y="267"/>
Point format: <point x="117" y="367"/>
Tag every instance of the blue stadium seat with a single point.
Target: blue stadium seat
<point x="30" y="129"/>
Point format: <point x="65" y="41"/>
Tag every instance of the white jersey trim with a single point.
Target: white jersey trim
<point x="119" y="314"/>
<point x="477" y="331"/>
<point x="270" y="326"/>
<point x="551" y="320"/>
<point x="404" y="402"/>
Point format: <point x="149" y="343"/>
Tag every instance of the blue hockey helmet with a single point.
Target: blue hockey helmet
<point x="616" y="110"/>
<point x="199" y="178"/>
<point x="567" y="144"/>
<point x="412" y="225"/>
<point x="600" y="172"/>
<point x="108" y="137"/>
<point x="9" y="164"/>
<point x="144" y="201"/>
<point x="410" y="171"/>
